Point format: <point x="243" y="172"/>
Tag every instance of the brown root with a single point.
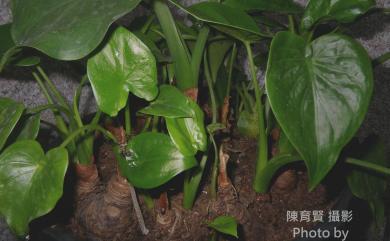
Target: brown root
<point x="287" y="180"/>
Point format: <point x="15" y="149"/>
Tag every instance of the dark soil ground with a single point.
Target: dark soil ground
<point x="261" y="217"/>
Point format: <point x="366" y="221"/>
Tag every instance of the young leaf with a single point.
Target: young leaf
<point x="282" y="6"/>
<point x="10" y="112"/>
<point x="188" y="134"/>
<point x="65" y="30"/>
<point x="220" y="14"/>
<point x="151" y="159"/>
<point x="27" y="61"/>
<point x="319" y="93"/>
<point x="171" y="103"/>
<point x="124" y="65"/>
<point x="248" y="124"/>
<point x="30" y="128"/>
<point x="367" y="185"/>
<point x="225" y="225"/>
<point x="341" y="10"/>
<point x="30" y="182"/>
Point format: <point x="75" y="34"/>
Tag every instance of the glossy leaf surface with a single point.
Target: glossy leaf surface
<point x="319" y="93"/>
<point x="30" y="128"/>
<point x="341" y="10"/>
<point x="188" y="134"/>
<point x="30" y="182"/>
<point x="151" y="159"/>
<point x="216" y="13"/>
<point x="282" y="6"/>
<point x="10" y="112"/>
<point x="225" y="225"/>
<point x="66" y="30"/>
<point x="170" y="102"/>
<point x="124" y="65"/>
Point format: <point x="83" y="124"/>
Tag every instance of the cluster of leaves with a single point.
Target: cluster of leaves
<point x="317" y="90"/>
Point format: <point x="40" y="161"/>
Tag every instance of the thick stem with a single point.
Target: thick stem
<point x="262" y="157"/>
<point x="127" y="119"/>
<point x="214" y="173"/>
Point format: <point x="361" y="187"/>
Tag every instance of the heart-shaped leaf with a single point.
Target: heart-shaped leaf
<point x="341" y="10"/>
<point x="151" y="159"/>
<point x="66" y="30"/>
<point x="170" y="102"/>
<point x="220" y="14"/>
<point x="188" y="134"/>
<point x="282" y="6"/>
<point x="124" y="65"/>
<point x="10" y="112"/>
<point x="319" y="93"/>
<point x="30" y="182"/>
<point x="225" y="225"/>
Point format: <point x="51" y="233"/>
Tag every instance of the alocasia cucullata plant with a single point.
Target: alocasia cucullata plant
<point x="317" y="91"/>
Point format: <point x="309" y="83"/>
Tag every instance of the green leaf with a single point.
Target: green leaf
<point x="368" y="185"/>
<point x="30" y="182"/>
<point x="27" y="61"/>
<point x="170" y="102"/>
<point x="151" y="159"/>
<point x="10" y="113"/>
<point x="65" y="30"/>
<point x="216" y="53"/>
<point x="282" y="6"/>
<point x="220" y="14"/>
<point x="319" y="93"/>
<point x="6" y="41"/>
<point x="124" y="65"/>
<point x="181" y="58"/>
<point x="188" y="134"/>
<point x="225" y="225"/>
<point x="30" y="128"/>
<point x="248" y="124"/>
<point x="7" y="45"/>
<point x="343" y="11"/>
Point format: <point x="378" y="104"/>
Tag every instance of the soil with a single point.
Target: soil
<point x="261" y="217"/>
